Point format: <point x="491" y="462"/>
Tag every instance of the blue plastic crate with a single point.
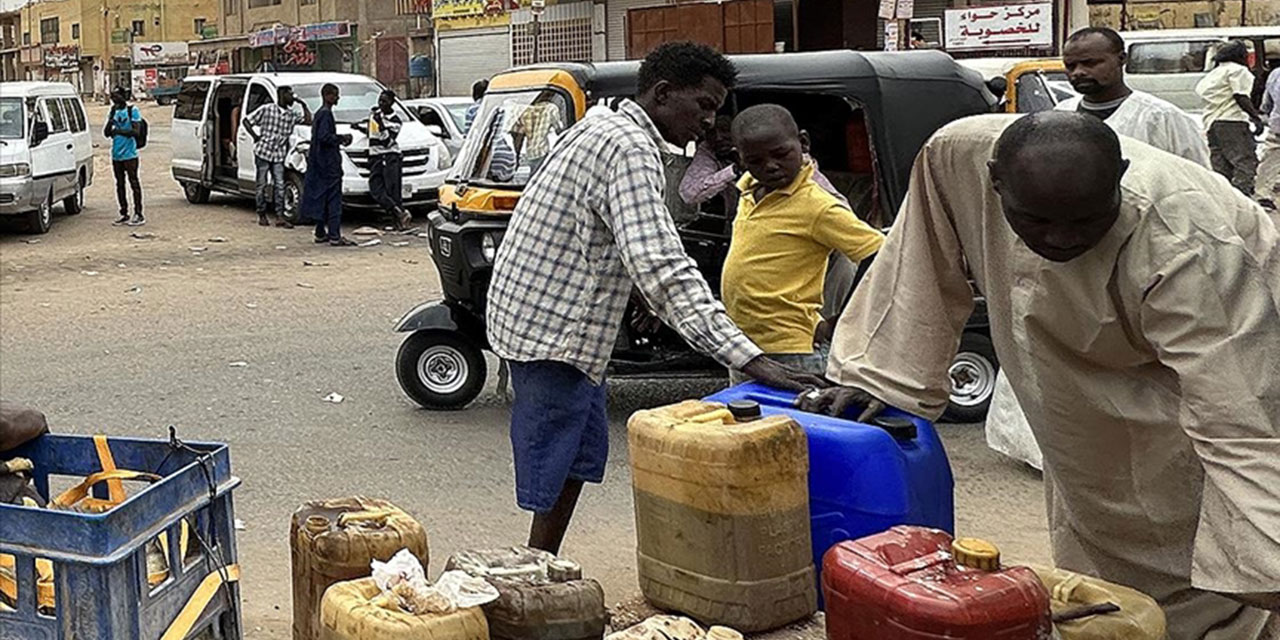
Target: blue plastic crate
<point x="99" y="560"/>
<point x="861" y="479"/>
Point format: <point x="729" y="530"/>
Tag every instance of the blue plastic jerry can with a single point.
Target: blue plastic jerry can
<point x="864" y="478"/>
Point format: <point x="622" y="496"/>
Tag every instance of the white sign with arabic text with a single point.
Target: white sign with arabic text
<point x="999" y="27"/>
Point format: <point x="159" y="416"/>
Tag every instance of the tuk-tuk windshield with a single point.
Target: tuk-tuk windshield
<point x="11" y="119"/>
<point x="517" y="131"/>
<point x="1042" y="90"/>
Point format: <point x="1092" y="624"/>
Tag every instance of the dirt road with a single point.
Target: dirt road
<point x="109" y="333"/>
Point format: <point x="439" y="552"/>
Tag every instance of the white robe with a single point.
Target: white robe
<point x="1149" y="366"/>
<point x="1141" y="116"/>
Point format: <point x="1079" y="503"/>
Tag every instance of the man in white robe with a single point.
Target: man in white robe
<point x="1136" y="305"/>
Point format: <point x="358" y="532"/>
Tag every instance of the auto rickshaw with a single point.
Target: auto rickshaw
<point x="868" y="114"/>
<point x="1024" y="85"/>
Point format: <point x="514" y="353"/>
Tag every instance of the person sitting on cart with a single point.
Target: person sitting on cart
<point x="787" y="226"/>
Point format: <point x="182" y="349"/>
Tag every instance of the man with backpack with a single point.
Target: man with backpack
<point x="128" y="133"/>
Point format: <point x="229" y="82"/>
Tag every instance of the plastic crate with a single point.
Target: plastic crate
<point x="99" y="560"/>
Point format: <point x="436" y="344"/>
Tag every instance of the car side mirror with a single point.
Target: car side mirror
<point x="39" y="131"/>
<point x="437" y="130"/>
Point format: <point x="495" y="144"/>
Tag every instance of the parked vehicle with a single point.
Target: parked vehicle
<point x="444" y="117"/>
<point x="867" y="115"/>
<point x="1024" y="85"/>
<point x="46" y="151"/>
<point x="1168" y="63"/>
<point x="213" y="151"/>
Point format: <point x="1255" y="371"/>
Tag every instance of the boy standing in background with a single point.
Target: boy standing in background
<point x="787" y="226"/>
<point x="122" y="128"/>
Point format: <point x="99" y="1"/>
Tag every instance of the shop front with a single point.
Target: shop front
<point x="326" y="46"/>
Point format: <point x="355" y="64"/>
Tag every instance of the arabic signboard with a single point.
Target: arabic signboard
<point x="153" y="53"/>
<point x="886" y="9"/>
<point x="65" y="57"/>
<point x="466" y="8"/>
<point x="281" y="35"/>
<point x="906" y="9"/>
<point x="891" y="35"/>
<point x="120" y="36"/>
<point x="1000" y="27"/>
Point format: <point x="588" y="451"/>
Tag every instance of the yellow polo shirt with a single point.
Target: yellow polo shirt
<point x="773" y="276"/>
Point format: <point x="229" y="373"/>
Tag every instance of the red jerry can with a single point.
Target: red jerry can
<point x="916" y="583"/>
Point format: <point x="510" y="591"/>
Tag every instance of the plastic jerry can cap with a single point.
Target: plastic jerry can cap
<point x="745" y="410"/>
<point x="901" y="429"/>
<point x="975" y="553"/>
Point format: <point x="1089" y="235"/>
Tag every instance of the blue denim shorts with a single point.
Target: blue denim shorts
<point x="559" y="431"/>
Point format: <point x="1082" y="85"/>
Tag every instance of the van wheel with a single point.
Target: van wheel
<point x="195" y="192"/>
<point x="40" y="220"/>
<point x="293" y="197"/>
<point x="75" y="203"/>
<point x="973" y="379"/>
<point x="440" y="370"/>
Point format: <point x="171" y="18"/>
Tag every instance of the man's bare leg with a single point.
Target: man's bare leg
<point x="548" y="529"/>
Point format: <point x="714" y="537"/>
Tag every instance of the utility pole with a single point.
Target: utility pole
<point x="537" y="7"/>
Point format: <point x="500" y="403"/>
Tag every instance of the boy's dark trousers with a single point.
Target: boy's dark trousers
<point x="385" y="180"/>
<point x="127" y="169"/>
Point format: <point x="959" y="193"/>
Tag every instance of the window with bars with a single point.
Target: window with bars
<point x="567" y="40"/>
<point x="49" y="31"/>
<point x="231" y="7"/>
<point x="139" y="28"/>
<point x="75" y="31"/>
<point x="413" y="7"/>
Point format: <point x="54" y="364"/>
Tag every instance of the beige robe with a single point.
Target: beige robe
<point x="1149" y="367"/>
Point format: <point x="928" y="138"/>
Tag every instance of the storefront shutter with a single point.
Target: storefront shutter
<point x="469" y="55"/>
<point x="616" y="23"/>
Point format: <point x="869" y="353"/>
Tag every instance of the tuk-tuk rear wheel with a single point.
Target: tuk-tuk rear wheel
<point x="440" y="370"/>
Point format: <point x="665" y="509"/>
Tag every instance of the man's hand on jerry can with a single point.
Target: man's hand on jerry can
<point x="836" y="400"/>
<point x="779" y="376"/>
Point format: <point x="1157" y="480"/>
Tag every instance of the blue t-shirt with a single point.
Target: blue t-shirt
<point x="124" y="147"/>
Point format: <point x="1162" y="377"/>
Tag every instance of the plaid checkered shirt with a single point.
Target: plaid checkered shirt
<point x="274" y="124"/>
<point x="591" y="221"/>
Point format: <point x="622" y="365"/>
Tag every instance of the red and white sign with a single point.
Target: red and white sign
<point x="1000" y="27"/>
<point x="153" y="53"/>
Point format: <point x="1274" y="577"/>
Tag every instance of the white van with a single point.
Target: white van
<point x="1168" y="63"/>
<point x="212" y="150"/>
<point x="46" y="151"/>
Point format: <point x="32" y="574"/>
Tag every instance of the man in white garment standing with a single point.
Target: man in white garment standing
<point x="1135" y="299"/>
<point x="1095" y="59"/>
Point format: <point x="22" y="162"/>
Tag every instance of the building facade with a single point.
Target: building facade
<point x="91" y="43"/>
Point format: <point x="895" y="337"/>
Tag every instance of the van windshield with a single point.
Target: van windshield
<point x="355" y="100"/>
<point x="518" y="130"/>
<point x="12" y="123"/>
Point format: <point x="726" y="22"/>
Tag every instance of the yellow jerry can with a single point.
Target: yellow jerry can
<point x="1139" y="617"/>
<point x="348" y="612"/>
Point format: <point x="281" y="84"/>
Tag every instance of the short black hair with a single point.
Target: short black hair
<point x="123" y="92"/>
<point x="283" y="89"/>
<point x="388" y="92"/>
<point x="916" y="35"/>
<point x="1117" y="43"/>
<point x="683" y="65"/>
<point x="478" y="89"/>
<point x="1234" y="51"/>
<point x="1048" y="128"/>
<point x="328" y="88"/>
<point x="770" y="117"/>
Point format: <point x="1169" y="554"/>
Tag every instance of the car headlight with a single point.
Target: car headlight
<point x="489" y="247"/>
<point x="15" y="170"/>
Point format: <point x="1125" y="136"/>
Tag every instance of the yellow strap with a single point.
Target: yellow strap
<point x="81" y="491"/>
<point x="191" y="611"/>
<point x="115" y="488"/>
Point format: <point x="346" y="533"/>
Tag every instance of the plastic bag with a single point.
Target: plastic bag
<point x="402" y="567"/>
<point x="662" y="628"/>
<point x="465" y="590"/>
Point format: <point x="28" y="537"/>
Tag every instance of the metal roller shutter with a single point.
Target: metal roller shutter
<point x="467" y="56"/>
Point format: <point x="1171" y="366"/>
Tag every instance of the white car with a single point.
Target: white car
<point x="213" y="151"/>
<point x="46" y="151"/>
<point x="445" y="117"/>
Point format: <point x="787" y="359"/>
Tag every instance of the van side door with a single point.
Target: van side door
<point x="53" y="161"/>
<point x="81" y="138"/>
<point x="191" y="133"/>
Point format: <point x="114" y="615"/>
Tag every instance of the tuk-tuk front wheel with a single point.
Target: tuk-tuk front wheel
<point x="973" y="379"/>
<point x="440" y="370"/>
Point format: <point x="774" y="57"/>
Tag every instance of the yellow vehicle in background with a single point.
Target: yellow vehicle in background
<point x="1024" y="85"/>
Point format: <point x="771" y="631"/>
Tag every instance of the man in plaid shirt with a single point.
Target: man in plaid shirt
<point x="271" y="127"/>
<point x="592" y="222"/>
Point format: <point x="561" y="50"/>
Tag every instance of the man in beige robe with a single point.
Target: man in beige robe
<point x="1137" y="311"/>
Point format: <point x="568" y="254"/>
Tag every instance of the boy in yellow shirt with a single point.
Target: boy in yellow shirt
<point x="787" y="226"/>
